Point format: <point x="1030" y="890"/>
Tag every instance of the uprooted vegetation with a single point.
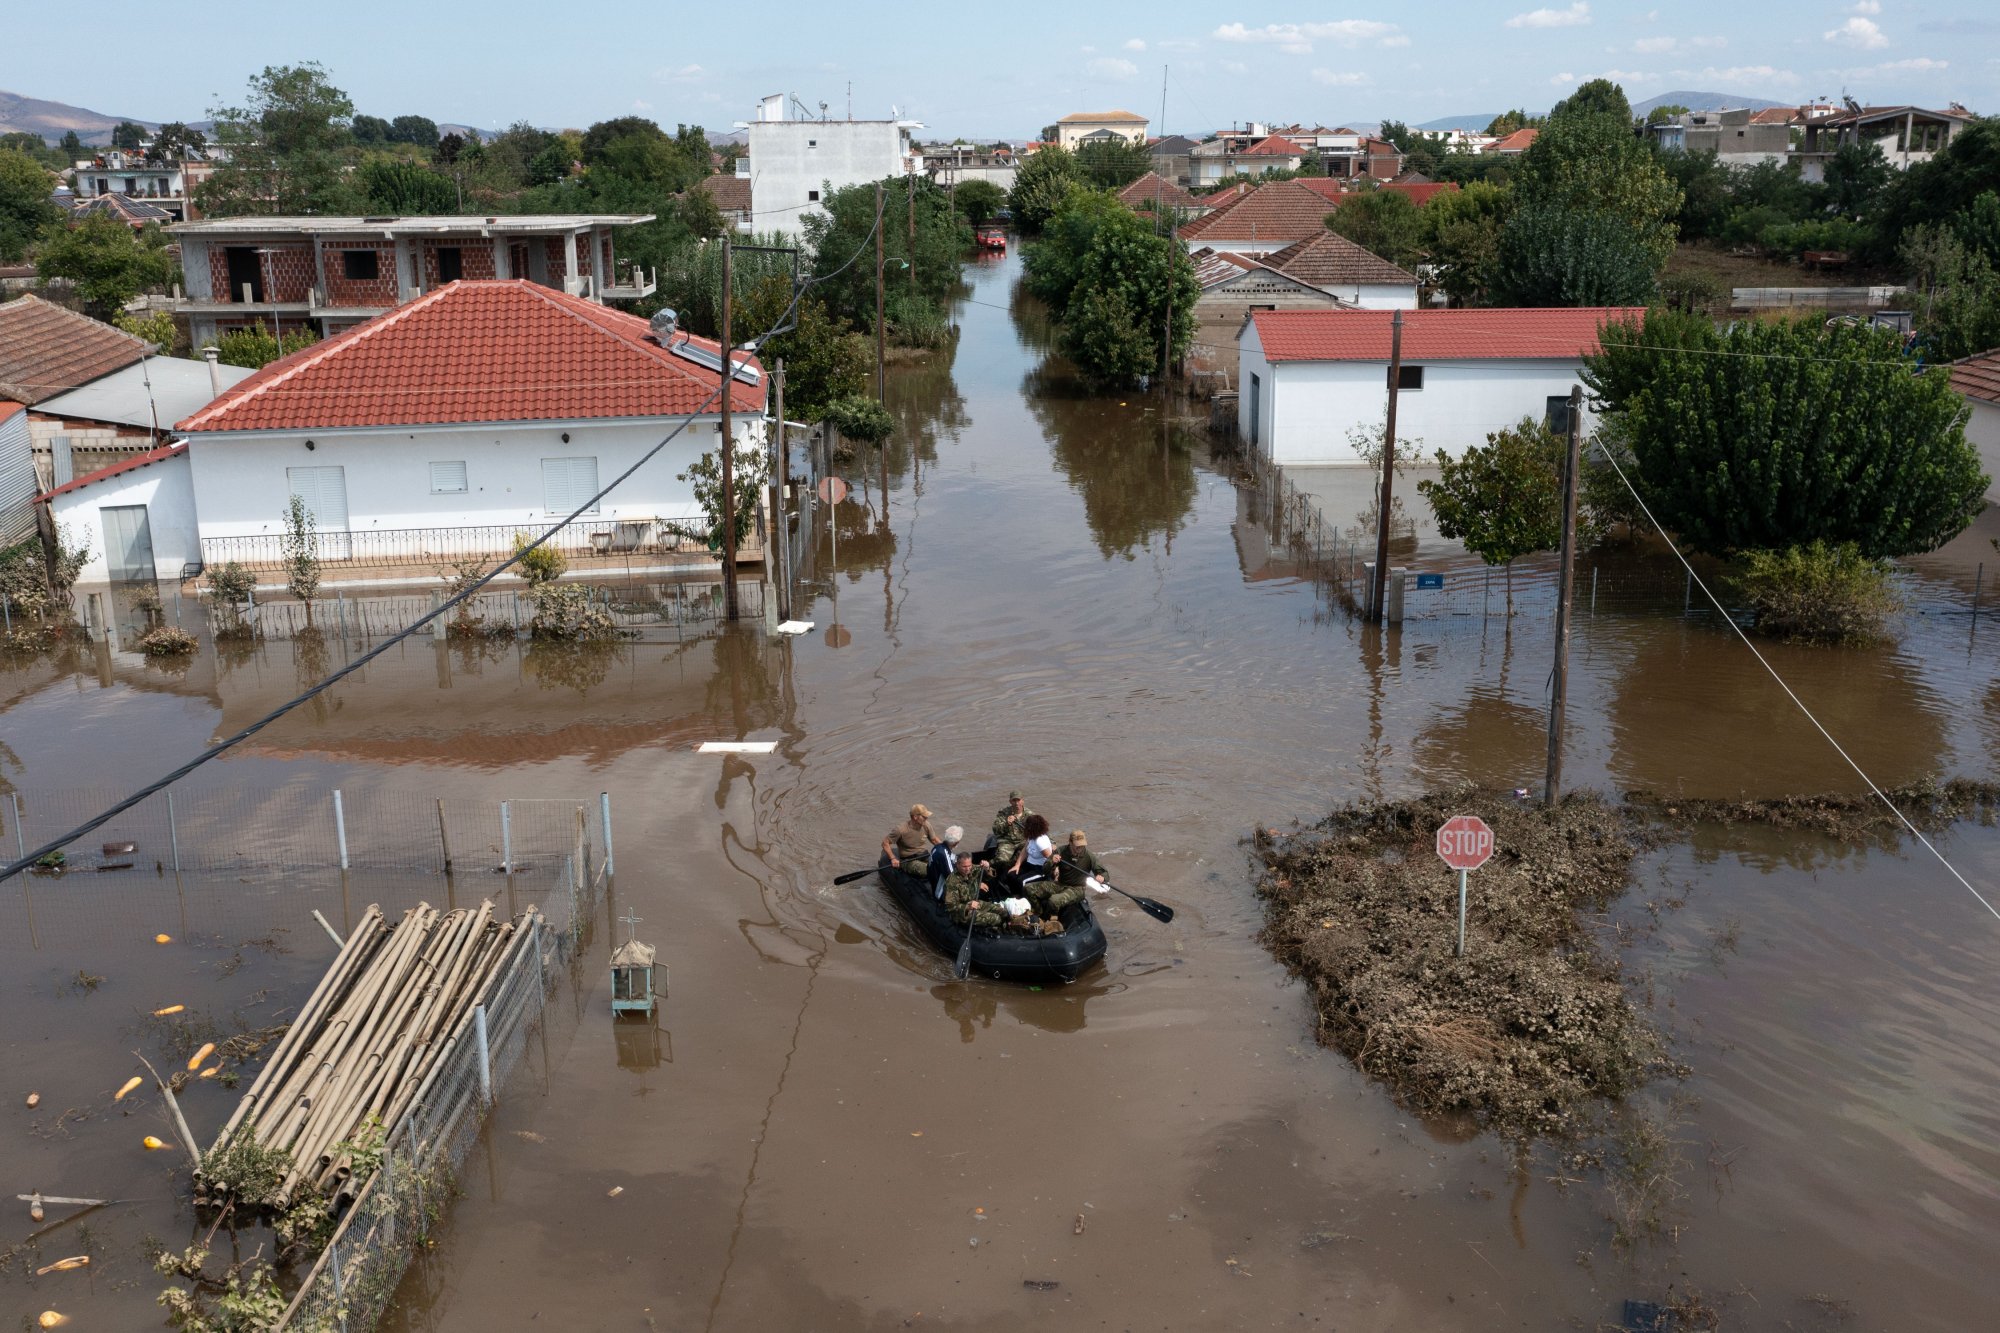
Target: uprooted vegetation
<point x="1533" y="1026"/>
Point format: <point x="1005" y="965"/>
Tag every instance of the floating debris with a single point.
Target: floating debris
<point x="63" y="1265"/>
<point x="614" y="1191"/>
<point x="531" y="1136"/>
<point x="207" y="1049"/>
<point x="130" y="1084"/>
<point x="50" y="1319"/>
<point x="1077" y="1230"/>
<point x="211" y="1071"/>
<point x="170" y="1009"/>
<point x="1039" y="1284"/>
<point x="153" y="1144"/>
<point x="163" y="939"/>
<point x="34" y="1100"/>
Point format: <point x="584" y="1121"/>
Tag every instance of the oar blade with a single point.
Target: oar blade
<point x="962" y="965"/>
<point x="1158" y="911"/>
<point x="853" y="875"/>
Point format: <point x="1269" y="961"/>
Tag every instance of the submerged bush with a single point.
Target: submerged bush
<point x="1818" y="593"/>
<point x="571" y="613"/>
<point x="167" y="641"/>
<point x="544" y="564"/>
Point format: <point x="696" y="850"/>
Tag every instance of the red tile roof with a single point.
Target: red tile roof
<point x="476" y="352"/>
<point x="1435" y="335"/>
<point x="1328" y="259"/>
<point x="8" y="408"/>
<point x="1273" y="146"/>
<point x="730" y="192"/>
<point x="1284" y="212"/>
<point x="1161" y="192"/>
<point x="1975" y="376"/>
<point x="1517" y="142"/>
<point x="45" y="349"/>
<point x="132" y="464"/>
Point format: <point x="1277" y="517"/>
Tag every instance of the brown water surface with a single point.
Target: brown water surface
<point x="1062" y="593"/>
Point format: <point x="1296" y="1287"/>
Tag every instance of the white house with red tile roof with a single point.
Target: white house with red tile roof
<point x="1977" y="379"/>
<point x="135" y="519"/>
<point x="475" y="411"/>
<point x="1308" y="378"/>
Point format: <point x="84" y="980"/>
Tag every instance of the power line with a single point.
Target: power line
<point x="1817" y="725"/>
<point x="228" y="743"/>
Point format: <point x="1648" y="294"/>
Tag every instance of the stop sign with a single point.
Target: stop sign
<point x="1465" y="842"/>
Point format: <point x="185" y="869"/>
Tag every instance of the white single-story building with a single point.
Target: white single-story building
<point x="136" y="518"/>
<point x="1977" y="379"/>
<point x="1341" y="268"/>
<point x="1311" y="377"/>
<point x="479" y="410"/>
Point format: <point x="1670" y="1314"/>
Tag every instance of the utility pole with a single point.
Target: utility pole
<point x="881" y="378"/>
<point x="728" y="452"/>
<point x="910" y="188"/>
<point x="781" y="483"/>
<point x="1378" y="594"/>
<point x="1559" y="685"/>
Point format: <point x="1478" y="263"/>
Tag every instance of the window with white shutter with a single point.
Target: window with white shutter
<point x="448" y="478"/>
<point x="567" y="483"/>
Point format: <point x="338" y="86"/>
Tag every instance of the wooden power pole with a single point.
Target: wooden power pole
<point x="728" y="453"/>
<point x="781" y="482"/>
<point x="1378" y="592"/>
<point x="1565" y="588"/>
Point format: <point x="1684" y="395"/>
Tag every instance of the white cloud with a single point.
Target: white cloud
<point x="1562" y="80"/>
<point x="1914" y="65"/>
<point x="1746" y="74"/>
<point x="1178" y="44"/>
<point x="1111" y="67"/>
<point x="680" y="74"/>
<point x="1645" y="46"/>
<point x="1088" y="50"/>
<point x="641" y="104"/>
<point x="1131" y="44"/>
<point x="1298" y="38"/>
<point x="1626" y="75"/>
<point x="1861" y="34"/>
<point x="1335" y="78"/>
<point x="1575" y="16"/>
<point x="1235" y="67"/>
<point x="1870" y="7"/>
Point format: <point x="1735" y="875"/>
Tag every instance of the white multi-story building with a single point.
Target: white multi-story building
<point x="794" y="164"/>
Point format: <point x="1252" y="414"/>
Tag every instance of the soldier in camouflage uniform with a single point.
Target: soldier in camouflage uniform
<point x="961" y="895"/>
<point x="1075" y="864"/>
<point x="1007" y="834"/>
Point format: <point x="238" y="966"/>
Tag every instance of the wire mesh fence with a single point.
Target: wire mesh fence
<point x="349" y="1287"/>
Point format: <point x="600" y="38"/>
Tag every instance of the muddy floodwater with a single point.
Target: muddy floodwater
<point x="1065" y="593"/>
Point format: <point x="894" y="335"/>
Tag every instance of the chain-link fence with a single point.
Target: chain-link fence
<point x="351" y="1284"/>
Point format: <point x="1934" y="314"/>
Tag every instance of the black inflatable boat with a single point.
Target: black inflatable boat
<point x="1000" y="954"/>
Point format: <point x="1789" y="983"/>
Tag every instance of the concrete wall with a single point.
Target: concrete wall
<point x="1376" y="296"/>
<point x="241" y="487"/>
<point x="1984" y="432"/>
<point x="791" y="160"/>
<point x="1306" y="409"/>
<point x="168" y="494"/>
<point x="1070" y="135"/>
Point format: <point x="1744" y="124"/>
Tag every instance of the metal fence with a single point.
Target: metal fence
<point x="349" y="1287"/>
<point x="486" y="543"/>
<point x="641" y="608"/>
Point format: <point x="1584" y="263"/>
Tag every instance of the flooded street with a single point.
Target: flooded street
<point x="1068" y="595"/>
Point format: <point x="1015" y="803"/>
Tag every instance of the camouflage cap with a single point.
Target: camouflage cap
<point x="1014" y="795"/>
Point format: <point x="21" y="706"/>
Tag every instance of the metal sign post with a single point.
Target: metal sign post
<point x="1465" y="843"/>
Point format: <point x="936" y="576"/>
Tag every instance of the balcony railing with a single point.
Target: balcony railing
<point x="433" y="548"/>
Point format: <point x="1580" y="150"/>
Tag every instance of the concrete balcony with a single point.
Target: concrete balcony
<point x="631" y="284"/>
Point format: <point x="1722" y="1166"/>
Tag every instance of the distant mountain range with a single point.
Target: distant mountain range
<point x="52" y="120"/>
<point x="1693" y="101"/>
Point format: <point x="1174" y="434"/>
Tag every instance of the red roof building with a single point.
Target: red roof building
<point x="478" y="408"/>
<point x="1312" y="378"/>
<point x="1269" y="217"/>
<point x="1418" y="193"/>
<point x="1977" y="379"/>
<point x="1517" y="142"/>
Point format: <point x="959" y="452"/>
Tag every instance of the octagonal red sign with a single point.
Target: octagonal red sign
<point x="1465" y="842"/>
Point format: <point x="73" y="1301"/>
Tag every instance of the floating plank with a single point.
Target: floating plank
<point x="737" y="747"/>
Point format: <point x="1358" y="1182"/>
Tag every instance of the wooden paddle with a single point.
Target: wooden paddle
<point x="983" y="854"/>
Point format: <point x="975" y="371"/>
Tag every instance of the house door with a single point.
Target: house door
<point x="128" y="543"/>
<point x="1256" y="405"/>
<point x="244" y="270"/>
<point x="324" y="489"/>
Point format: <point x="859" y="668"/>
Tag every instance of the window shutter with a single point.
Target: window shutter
<point x="448" y="478"/>
<point x="567" y="483"/>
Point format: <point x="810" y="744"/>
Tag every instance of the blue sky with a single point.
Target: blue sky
<point x="974" y="69"/>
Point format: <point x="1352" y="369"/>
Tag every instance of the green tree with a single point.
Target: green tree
<point x="604" y="133"/>
<point x="255" y="348"/>
<point x="72" y="147"/>
<point x="421" y="131"/>
<point x="299" y="545"/>
<point x="1855" y="177"/>
<point x="1382" y="222"/>
<point x="398" y="185"/>
<point x="1054" y="263"/>
<point x="1958" y="292"/>
<point x="451" y="148"/>
<point x="370" y="131"/>
<point x="1594" y="97"/>
<point x="1110" y="280"/>
<point x="825" y="360"/>
<point x="1461" y="236"/>
<point x="845" y="230"/>
<point x="33" y="147"/>
<point x="1503" y="499"/>
<point x="1041" y="186"/>
<point x="700" y="214"/>
<point x="1772" y="435"/>
<point x="978" y="200"/>
<point x="1938" y="191"/>
<point x="26" y="205"/>
<point x="1112" y="164"/>
<point x="1707" y="188"/>
<point x="284" y="147"/>
<point x="1509" y="121"/>
<point x="106" y="261"/>
<point x="549" y="165"/>
<point x="1589" y="162"/>
<point x="175" y="142"/>
<point x="128" y="135"/>
<point x="1665" y="112"/>
<point x="1553" y="257"/>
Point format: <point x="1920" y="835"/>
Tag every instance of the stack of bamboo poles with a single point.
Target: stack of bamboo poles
<point x="364" y="1045"/>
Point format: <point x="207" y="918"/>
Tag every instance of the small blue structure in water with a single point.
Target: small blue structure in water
<point x="632" y="965"/>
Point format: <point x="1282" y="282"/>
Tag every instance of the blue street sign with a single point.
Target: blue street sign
<point x="1429" y="581"/>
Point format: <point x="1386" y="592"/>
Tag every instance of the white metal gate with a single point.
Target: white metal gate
<point x="324" y="489"/>
<point x="128" y="543"/>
